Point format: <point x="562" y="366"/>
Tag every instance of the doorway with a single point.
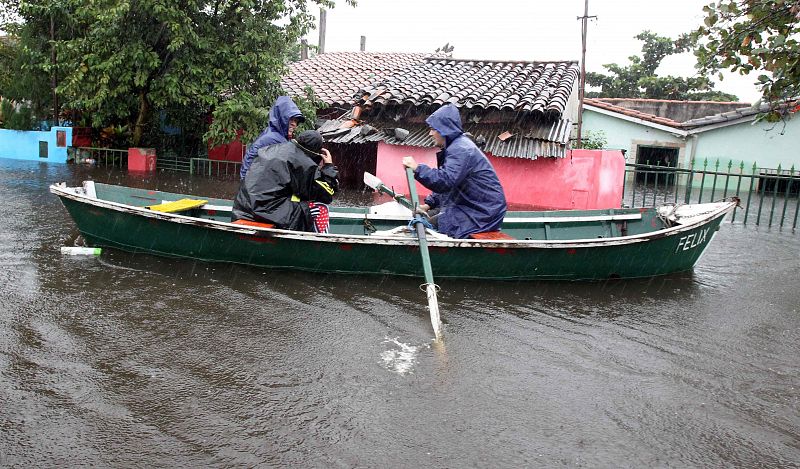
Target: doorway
<point x="663" y="157"/>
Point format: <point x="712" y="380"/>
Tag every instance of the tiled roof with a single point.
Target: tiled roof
<point x="337" y="76"/>
<point x="689" y="125"/>
<point x="631" y="112"/>
<point x="532" y="87"/>
<point x="727" y="116"/>
<point x="548" y="140"/>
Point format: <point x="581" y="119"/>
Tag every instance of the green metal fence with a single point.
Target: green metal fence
<point x="217" y="168"/>
<point x="768" y="196"/>
<point x="103" y="157"/>
<point x="171" y="161"/>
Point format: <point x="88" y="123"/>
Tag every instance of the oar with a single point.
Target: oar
<point x="372" y="181"/>
<point x="430" y="287"/>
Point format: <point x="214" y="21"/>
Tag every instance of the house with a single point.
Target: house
<point x="520" y="112"/>
<point x="673" y="133"/>
<point x="334" y="77"/>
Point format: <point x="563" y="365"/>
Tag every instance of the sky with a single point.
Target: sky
<point x="522" y="30"/>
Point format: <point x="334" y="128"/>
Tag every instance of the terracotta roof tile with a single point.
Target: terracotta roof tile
<point x="532" y="87"/>
<point x="632" y="113"/>
<point x="337" y="76"/>
<point x="744" y="110"/>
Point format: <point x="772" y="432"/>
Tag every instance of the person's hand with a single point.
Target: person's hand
<point x="422" y="209"/>
<point x="408" y="162"/>
<point x="326" y="156"/>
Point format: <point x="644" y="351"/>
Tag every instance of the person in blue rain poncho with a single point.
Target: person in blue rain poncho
<point x="465" y="186"/>
<point x="283" y="119"/>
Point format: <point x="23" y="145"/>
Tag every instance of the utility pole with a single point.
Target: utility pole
<point x="322" y="20"/>
<point x="363" y="43"/>
<point x="582" y="90"/>
<point x="53" y="79"/>
<point x="303" y="49"/>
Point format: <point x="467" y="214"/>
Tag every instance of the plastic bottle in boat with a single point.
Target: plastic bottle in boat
<point x="80" y="251"/>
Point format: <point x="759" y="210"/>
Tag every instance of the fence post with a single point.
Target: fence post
<point x="761" y="198"/>
<point x="774" y="195"/>
<point x="727" y="179"/>
<point x="750" y="192"/>
<point x="788" y="192"/>
<point x="714" y="183"/>
<point x="703" y="180"/>
<point x="738" y="186"/>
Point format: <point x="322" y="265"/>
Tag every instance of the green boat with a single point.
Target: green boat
<point x="563" y="245"/>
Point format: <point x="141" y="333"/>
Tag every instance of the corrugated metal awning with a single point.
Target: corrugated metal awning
<point x="548" y="140"/>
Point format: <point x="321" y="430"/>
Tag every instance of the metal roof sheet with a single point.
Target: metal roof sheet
<point x="546" y="140"/>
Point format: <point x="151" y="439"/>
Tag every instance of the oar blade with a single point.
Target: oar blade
<point x="370" y="180"/>
<point x="433" y="307"/>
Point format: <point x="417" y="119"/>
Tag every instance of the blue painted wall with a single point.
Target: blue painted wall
<point x="24" y="144"/>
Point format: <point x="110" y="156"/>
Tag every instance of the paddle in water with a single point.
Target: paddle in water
<point x="430" y="287"/>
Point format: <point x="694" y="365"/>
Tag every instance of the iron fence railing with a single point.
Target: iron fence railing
<point x="171" y="161"/>
<point x="767" y="196"/>
<point x="103" y="157"/>
<point x="219" y="168"/>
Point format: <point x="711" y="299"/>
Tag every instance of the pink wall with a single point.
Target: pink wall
<point x="585" y="179"/>
<point x="391" y="171"/>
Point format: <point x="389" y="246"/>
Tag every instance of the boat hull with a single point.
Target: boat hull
<point x="129" y="229"/>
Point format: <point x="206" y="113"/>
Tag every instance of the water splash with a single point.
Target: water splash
<point x="399" y="358"/>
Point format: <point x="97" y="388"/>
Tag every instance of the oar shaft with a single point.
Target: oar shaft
<point x="403" y="201"/>
<point x="430" y="287"/>
<point x="423" y="249"/>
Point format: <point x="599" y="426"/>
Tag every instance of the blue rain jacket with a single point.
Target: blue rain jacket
<point x="465" y="187"/>
<point x="283" y="110"/>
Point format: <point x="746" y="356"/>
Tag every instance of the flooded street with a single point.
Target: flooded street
<point x="134" y="360"/>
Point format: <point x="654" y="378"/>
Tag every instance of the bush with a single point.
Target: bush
<point x="594" y="140"/>
<point x="21" y="120"/>
<point x="14" y="119"/>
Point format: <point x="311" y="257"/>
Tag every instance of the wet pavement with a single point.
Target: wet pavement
<point x="133" y="360"/>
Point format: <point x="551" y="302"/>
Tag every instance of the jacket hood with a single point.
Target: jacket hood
<point x="310" y="142"/>
<point x="447" y="121"/>
<point x="283" y="110"/>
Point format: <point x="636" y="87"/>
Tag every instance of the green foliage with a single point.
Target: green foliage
<point x="593" y="140"/>
<point x="747" y="36"/>
<point x="22" y="119"/>
<point x="639" y="79"/>
<point x="19" y="81"/>
<point x="123" y="62"/>
<point x="15" y="119"/>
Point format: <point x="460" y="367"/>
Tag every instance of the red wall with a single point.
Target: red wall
<point x="585" y="179"/>
<point x="232" y="151"/>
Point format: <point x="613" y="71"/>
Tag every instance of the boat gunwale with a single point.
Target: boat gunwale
<point x="62" y="190"/>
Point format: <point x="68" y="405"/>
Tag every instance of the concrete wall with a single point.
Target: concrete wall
<point x="679" y="111"/>
<point x="625" y="135"/>
<point x="760" y="143"/>
<point x="587" y="179"/>
<point x="767" y="145"/>
<point x="24" y="145"/>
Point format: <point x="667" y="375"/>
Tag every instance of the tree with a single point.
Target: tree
<point x="639" y="79"/>
<point x="134" y="62"/>
<point x="747" y="36"/>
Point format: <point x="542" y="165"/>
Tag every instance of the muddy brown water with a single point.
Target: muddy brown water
<point x="133" y="360"/>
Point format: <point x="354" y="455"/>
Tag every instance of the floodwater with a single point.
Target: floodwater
<point x="138" y="361"/>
